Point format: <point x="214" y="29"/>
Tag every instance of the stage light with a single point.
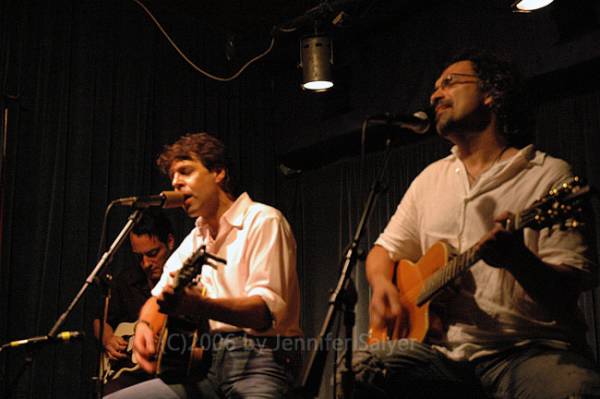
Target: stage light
<point x="316" y="58"/>
<point x="530" y="5"/>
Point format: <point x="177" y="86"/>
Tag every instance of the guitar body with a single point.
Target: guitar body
<point x="410" y="279"/>
<point x="180" y="358"/>
<point x="112" y="369"/>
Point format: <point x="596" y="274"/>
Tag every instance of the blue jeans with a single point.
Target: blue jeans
<point x="408" y="369"/>
<point x="240" y="369"/>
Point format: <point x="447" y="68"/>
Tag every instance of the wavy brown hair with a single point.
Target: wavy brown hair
<point x="203" y="147"/>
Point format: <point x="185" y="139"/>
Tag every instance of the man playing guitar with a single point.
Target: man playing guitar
<point x="152" y="242"/>
<point x="509" y="327"/>
<point x="251" y="302"/>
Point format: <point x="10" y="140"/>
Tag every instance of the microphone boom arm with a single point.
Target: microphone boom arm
<point x="133" y="219"/>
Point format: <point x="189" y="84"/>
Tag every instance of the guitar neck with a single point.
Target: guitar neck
<point x="462" y="262"/>
<point x="445" y="275"/>
<point x="191" y="268"/>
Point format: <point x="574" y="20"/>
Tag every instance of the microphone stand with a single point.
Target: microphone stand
<point x="106" y="290"/>
<point x="133" y="219"/>
<point x="106" y="258"/>
<point x="343" y="297"/>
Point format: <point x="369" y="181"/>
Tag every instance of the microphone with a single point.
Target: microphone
<point x="418" y="122"/>
<point x="65" y="336"/>
<point x="289" y="172"/>
<point x="166" y="199"/>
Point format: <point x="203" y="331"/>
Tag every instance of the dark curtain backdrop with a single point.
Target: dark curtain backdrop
<point x="95" y="92"/>
<point x="99" y="92"/>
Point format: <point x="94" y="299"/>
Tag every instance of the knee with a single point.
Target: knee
<point x="573" y="384"/>
<point x="583" y="384"/>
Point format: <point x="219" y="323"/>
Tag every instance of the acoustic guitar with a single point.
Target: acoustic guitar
<point x="419" y="282"/>
<point x="180" y="357"/>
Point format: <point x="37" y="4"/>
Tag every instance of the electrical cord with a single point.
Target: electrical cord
<point x="192" y="64"/>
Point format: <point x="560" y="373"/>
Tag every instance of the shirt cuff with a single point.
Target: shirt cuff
<point x="277" y="306"/>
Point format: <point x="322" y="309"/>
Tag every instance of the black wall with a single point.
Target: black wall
<point x="94" y="92"/>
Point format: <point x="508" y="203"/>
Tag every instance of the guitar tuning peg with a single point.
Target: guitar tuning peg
<point x="571" y="224"/>
<point x="574" y="224"/>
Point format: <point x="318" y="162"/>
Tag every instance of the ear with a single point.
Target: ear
<point x="488" y="100"/>
<point x="220" y="176"/>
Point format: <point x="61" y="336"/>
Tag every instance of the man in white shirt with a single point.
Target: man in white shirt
<point x="509" y="327"/>
<point x="252" y="302"/>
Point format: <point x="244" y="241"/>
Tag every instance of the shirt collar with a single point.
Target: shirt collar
<point x="527" y="153"/>
<point x="237" y="211"/>
<point x="234" y="216"/>
<point x="503" y="170"/>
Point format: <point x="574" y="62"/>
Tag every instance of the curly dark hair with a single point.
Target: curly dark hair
<point x="503" y="82"/>
<point x="202" y="147"/>
<point x="155" y="224"/>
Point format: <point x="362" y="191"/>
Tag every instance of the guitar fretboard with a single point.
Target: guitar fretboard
<point x="441" y="278"/>
<point x="462" y="262"/>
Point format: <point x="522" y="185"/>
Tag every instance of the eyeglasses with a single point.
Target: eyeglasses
<point x="452" y="79"/>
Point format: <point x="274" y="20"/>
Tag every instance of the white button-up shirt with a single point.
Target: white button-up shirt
<point x="260" y="250"/>
<point x="491" y="309"/>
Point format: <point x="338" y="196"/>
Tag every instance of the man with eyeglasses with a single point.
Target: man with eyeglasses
<point x="508" y="326"/>
<point x="152" y="242"/>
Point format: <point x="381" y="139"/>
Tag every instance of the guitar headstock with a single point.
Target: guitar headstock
<point x="191" y="268"/>
<point x="560" y="207"/>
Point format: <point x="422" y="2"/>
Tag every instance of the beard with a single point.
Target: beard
<point x="476" y="121"/>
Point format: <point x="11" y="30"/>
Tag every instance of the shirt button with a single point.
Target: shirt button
<point x="457" y="170"/>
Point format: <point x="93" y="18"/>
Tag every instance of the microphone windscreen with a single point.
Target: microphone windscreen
<point x="422" y="115"/>
<point x="173" y="199"/>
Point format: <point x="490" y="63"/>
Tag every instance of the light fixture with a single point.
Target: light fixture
<point x="316" y="57"/>
<point x="530" y="5"/>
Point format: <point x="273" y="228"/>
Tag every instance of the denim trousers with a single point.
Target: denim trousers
<point x="409" y="369"/>
<point x="240" y="369"/>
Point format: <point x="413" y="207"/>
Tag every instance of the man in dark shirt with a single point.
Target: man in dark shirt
<point x="152" y="242"/>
